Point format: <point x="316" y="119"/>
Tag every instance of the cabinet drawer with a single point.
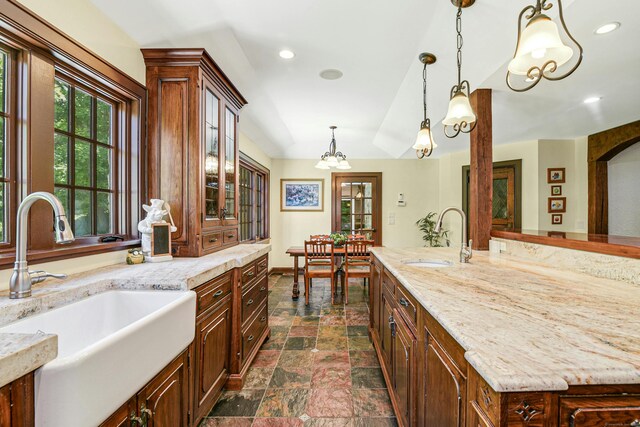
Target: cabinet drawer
<point x="252" y="334"/>
<point x="248" y="273"/>
<point x="253" y="298"/>
<point x="230" y="236"/>
<point x="214" y="291"/>
<point x="262" y="264"/>
<point x="388" y="284"/>
<point x="596" y="411"/>
<point x="211" y="240"/>
<point x="486" y="399"/>
<point x="407" y="306"/>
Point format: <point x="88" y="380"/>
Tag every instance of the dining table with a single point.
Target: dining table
<point x="298" y="251"/>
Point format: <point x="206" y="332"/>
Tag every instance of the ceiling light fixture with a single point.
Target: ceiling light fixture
<point x="592" y="99"/>
<point x="607" y="28"/>
<point x="331" y="74"/>
<point x="424" y="142"/>
<point x="540" y="51"/>
<point x="333" y="158"/>
<point x="460" y="116"/>
<point x="286" y="54"/>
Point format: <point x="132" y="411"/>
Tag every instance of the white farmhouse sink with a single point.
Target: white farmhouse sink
<point x="428" y="263"/>
<point x="109" y="346"/>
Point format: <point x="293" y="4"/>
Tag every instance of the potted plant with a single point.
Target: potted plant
<point x="427" y="225"/>
<point x="339" y="238"/>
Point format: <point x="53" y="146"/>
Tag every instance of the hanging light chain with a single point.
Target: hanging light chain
<point x="460" y="42"/>
<point x="424" y="91"/>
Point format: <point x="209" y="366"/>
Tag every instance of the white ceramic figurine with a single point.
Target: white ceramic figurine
<point x="155" y="215"/>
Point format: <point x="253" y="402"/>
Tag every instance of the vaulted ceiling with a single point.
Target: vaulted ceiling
<point x="377" y="103"/>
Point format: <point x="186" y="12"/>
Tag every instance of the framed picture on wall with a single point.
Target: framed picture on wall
<point x="556" y="219"/>
<point x="556" y="175"/>
<point x="556" y="190"/>
<point x="557" y="204"/>
<point x="303" y="195"/>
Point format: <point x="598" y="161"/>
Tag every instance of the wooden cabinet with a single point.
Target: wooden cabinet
<point x="404" y="370"/>
<point x="193" y="111"/>
<point x="163" y="402"/>
<point x="591" y="411"/>
<point x="17" y="403"/>
<point x="375" y="298"/>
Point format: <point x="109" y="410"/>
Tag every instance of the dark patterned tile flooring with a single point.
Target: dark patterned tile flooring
<point x="319" y="368"/>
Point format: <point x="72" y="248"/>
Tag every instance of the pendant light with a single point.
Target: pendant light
<point x="424" y="142"/>
<point x="333" y="159"/>
<point x="460" y="116"/>
<point x="540" y="51"/>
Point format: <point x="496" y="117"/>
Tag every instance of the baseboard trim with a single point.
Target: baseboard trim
<point x="281" y="270"/>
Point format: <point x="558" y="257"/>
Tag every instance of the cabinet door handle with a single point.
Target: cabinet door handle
<point x="392" y="326"/>
<point x="404" y="302"/>
<point x="250" y="338"/>
<point x="231" y="236"/>
<point x="135" y="420"/>
<point x="635" y="423"/>
<point x="250" y="274"/>
<point x="250" y="302"/>
<point x="213" y="240"/>
<point x="217" y="294"/>
<point x="263" y="289"/>
<point x="146" y="414"/>
<point x="263" y="319"/>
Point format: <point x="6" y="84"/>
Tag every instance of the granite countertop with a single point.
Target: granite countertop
<point x="23" y="353"/>
<point x="526" y="326"/>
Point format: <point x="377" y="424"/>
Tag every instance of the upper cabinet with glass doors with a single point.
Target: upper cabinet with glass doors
<point x="193" y="147"/>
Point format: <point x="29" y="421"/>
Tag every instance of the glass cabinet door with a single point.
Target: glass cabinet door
<point x="212" y="157"/>
<point x="230" y="165"/>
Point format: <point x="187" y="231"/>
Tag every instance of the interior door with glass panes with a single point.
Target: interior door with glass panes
<point x="356" y="204"/>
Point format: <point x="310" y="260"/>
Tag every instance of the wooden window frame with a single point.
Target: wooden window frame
<point x="10" y="147"/>
<point x="256" y="168"/>
<point x="44" y="52"/>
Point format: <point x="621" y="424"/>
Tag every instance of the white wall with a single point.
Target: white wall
<point x="417" y="179"/>
<point x="87" y="25"/>
<point x="624" y="192"/>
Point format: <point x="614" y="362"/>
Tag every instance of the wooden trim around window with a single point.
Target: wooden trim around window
<point x="253" y="165"/>
<point x="42" y="51"/>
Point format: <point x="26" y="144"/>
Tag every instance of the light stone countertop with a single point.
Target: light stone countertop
<point x="526" y="326"/>
<point x="23" y="353"/>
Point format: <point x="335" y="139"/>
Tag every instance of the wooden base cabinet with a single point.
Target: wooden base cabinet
<point x="17" y="403"/>
<point x="432" y="385"/>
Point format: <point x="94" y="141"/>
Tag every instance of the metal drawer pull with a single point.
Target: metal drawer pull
<point x="250" y="338"/>
<point x="404" y="302"/>
<point x="231" y="236"/>
<point x="213" y="240"/>
<point x="635" y="423"/>
<point x="263" y="289"/>
<point x="250" y="302"/>
<point x="250" y="273"/>
<point x="217" y="294"/>
<point x="146" y="413"/>
<point x="263" y="318"/>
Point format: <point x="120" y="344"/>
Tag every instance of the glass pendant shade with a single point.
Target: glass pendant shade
<point x="344" y="165"/>
<point x="332" y="161"/>
<point x="322" y="164"/>
<point x="539" y="43"/>
<point x="459" y="111"/>
<point x="424" y="139"/>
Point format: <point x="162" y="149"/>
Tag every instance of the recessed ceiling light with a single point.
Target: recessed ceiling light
<point x="592" y="99"/>
<point x="286" y="54"/>
<point x="607" y="28"/>
<point x="331" y="74"/>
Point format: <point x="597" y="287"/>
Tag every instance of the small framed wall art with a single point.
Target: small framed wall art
<point x="557" y="204"/>
<point x="556" y="190"/>
<point x="304" y="195"/>
<point x="556" y="175"/>
<point x="556" y="219"/>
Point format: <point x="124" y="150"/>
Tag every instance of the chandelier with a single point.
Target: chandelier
<point x="333" y="158"/>
<point x="424" y="142"/>
<point x="539" y="49"/>
<point x="460" y="116"/>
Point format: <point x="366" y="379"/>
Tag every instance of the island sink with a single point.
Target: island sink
<point x="109" y="346"/>
<point x="428" y="263"/>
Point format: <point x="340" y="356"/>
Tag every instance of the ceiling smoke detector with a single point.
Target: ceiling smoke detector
<point x="331" y="74"/>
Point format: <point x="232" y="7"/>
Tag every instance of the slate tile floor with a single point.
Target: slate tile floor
<point x="319" y="368"/>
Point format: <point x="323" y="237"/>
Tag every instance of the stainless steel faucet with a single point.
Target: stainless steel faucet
<point x="465" y="250"/>
<point x="22" y="278"/>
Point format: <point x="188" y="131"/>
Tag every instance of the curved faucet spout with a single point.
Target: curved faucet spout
<point x="21" y="279"/>
<point x="465" y="250"/>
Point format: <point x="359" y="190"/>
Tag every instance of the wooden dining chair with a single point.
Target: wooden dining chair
<point x="357" y="263"/>
<point x="319" y="262"/>
<point x="319" y="237"/>
<point x="356" y="237"/>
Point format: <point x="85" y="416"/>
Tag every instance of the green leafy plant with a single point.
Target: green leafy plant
<point x="427" y="225"/>
<point x="339" y="238"/>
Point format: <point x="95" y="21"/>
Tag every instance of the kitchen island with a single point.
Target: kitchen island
<point x="503" y="341"/>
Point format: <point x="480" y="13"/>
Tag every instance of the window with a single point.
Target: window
<point x="5" y="138"/>
<point x="83" y="158"/>
<point x="254" y="185"/>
